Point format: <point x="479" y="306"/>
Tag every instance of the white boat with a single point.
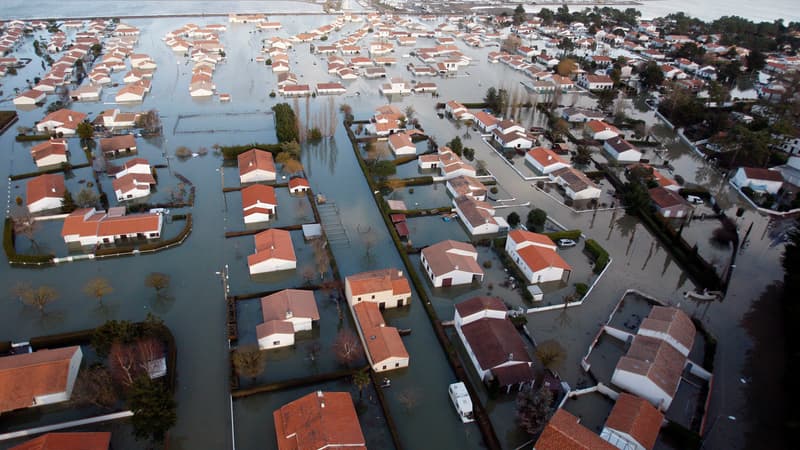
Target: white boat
<point x="462" y="401"/>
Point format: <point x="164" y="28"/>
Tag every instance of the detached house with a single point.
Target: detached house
<point x="535" y="256"/>
<point x="458" y="111"/>
<point x="274" y="252"/>
<point x="401" y="144"/>
<point x="758" y="179"/>
<point x="601" y="131"/>
<point x="576" y="184"/>
<point x="595" y="82"/>
<point x="30" y="97"/>
<point x="319" y="420"/>
<point x="633" y="423"/>
<point x="39" y="378"/>
<point x="258" y="203"/>
<point x="564" y="431"/>
<point x="387" y="288"/>
<point x="64" y="121"/>
<point x="451" y="263"/>
<point x="494" y="346"/>
<point x="669" y="204"/>
<point x="545" y="160"/>
<point x="486" y="122"/>
<point x="132" y="186"/>
<point x="45" y="192"/>
<point x="50" y="153"/>
<point x="478" y="217"/>
<point x="466" y="186"/>
<point x="621" y="150"/>
<point x="113" y="146"/>
<point x="256" y="165"/>
<point x="285" y="313"/>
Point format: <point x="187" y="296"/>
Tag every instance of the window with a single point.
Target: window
<point x="397" y="364"/>
<point x="373" y="297"/>
<point x="276" y="342"/>
<point x="384" y="367"/>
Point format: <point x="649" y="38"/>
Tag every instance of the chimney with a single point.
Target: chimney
<point x="549" y="157"/>
<point x="399" y="273"/>
<point x="511" y="356"/>
<point x="289" y="314"/>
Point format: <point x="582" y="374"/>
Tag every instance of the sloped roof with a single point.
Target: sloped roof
<point x="26" y="376"/>
<point x="494" y="342"/>
<point x="636" y="417"/>
<point x="665" y="198"/>
<point x="757" y="173"/>
<point x="447" y="256"/>
<point x="294" y="302"/>
<point x="538" y="258"/>
<point x="44" y="186"/>
<point x="378" y="281"/>
<point x="68" y="441"/>
<point x="255" y="159"/>
<point x="480" y="303"/>
<point x="319" y="420"/>
<point x="382" y="342"/>
<point x="520" y="236"/>
<point x="47" y="148"/>
<point x="563" y="432"/>
<point x="671" y="321"/>
<point x="117" y="143"/>
<point x="545" y="157"/>
<point x="258" y="193"/>
<point x="272" y="243"/>
<point x="655" y="359"/>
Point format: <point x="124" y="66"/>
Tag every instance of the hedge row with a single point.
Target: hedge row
<point x="68" y="339"/>
<point x="403" y="182"/>
<point x="57" y="169"/>
<point x="32" y="137"/>
<point x="568" y="234"/>
<point x="11" y="251"/>
<point x="231" y="152"/>
<point x="599" y="254"/>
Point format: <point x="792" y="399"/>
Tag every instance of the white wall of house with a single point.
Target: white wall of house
<point x="256" y="217"/>
<point x="484" y="313"/>
<point x="544" y="169"/>
<point x="45" y="204"/>
<point x="741" y="180"/>
<point x="391" y="363"/>
<point x="586" y="194"/>
<point x="139" y="191"/>
<point x="272" y="265"/>
<point x="276" y="340"/>
<point x="300" y="323"/>
<point x="257" y="175"/>
<point x="404" y="150"/>
<point x="533" y="277"/>
<point x="51" y="160"/>
<point x="388" y="299"/>
<point x="643" y="387"/>
<point x="457" y="277"/>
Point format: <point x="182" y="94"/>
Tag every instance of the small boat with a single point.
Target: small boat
<point x="461" y="401"/>
<point x="386" y="383"/>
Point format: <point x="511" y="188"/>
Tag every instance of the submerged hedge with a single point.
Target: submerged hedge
<point x="599" y="254"/>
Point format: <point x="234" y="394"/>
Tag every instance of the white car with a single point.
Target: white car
<point x="566" y="243"/>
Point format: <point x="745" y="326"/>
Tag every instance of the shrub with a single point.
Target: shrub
<point x="18" y="200"/>
<point x="581" y="289"/>
<point x="598" y="253"/>
<point x="536" y="220"/>
<point x="493" y="190"/>
<point x="272" y="94"/>
<point x="487" y="264"/>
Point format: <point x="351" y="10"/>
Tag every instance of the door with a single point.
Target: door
<point x="447" y="282"/>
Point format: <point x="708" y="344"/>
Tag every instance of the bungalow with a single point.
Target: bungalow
<point x="131" y="186"/>
<point x="274" y="252"/>
<point x="50" y="153"/>
<point x="299" y="90"/>
<point x="422" y="70"/>
<point x="285" y="313"/>
<point x="575" y="183"/>
<point x="621" y="150"/>
<point x="372" y="73"/>
<point x="130" y="93"/>
<point x="535" y="256"/>
<point x="544" y="160"/>
<point x="633" y="423"/>
<point x="63" y="121"/>
<point x="201" y="89"/>
<point x="387" y="288"/>
<point x="513" y="139"/>
<point x="401" y="144"/>
<point x="135" y="165"/>
<point x="458" y="111"/>
<point x="113" y="118"/>
<point x="30" y="97"/>
<point x="256" y="165"/>
<point x="466" y="186"/>
<point x="478" y="217"/>
<point x="601" y="131"/>
<point x="565" y="431"/>
<point x="486" y="122"/>
<point x="758" y="179"/>
<point x="669" y="204"/>
<point x="86" y="93"/>
<point x="113" y="146"/>
<point x="258" y="203"/>
<point x="298" y="185"/>
<point x="397" y="86"/>
<point x="318" y="420"/>
<point x="330" y="89"/>
<point x="421" y="88"/>
<point x="451" y="263"/>
<point x="596" y="82"/>
<point x="38" y="378"/>
<point x="652" y="369"/>
<point x="575" y="115"/>
<point x="89" y="227"/>
<point x="45" y="192"/>
<point x="494" y="346"/>
<point x="85" y="440"/>
<point x="384" y="346"/>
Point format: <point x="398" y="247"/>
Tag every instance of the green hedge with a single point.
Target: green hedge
<point x="21" y="176"/>
<point x="599" y="254"/>
<point x="568" y="234"/>
<point x="403" y="182"/>
<point x="62" y="340"/>
<point x="11" y="251"/>
<point x="32" y="137"/>
<point x="231" y="152"/>
<point x="697" y="192"/>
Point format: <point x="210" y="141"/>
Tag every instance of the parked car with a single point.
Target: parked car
<point x="695" y="200"/>
<point x="566" y="243"/>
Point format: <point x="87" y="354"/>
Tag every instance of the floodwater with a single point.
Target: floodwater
<point x="417" y="399"/>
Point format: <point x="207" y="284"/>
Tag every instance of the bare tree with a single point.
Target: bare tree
<point x="361" y="381"/>
<point x="368" y="238"/>
<point x="321" y="257"/>
<point x="39" y="297"/>
<point x="308" y="274"/>
<point x="249" y="361"/>
<point x="347" y="347"/>
<point x="98" y="288"/>
<point x="94" y="386"/>
<point x="125" y="363"/>
<point x="25" y="223"/>
<point x="533" y="409"/>
<point x="158" y="281"/>
<point x="550" y="353"/>
<point x="86" y="198"/>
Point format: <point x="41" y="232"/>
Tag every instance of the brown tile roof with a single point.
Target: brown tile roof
<point x="620" y="145"/>
<point x="255" y="159"/>
<point x="67" y="117"/>
<point x="466" y="185"/>
<point x="520" y="236"/>
<point x="117" y="143"/>
<point x="378" y="281"/>
<point x="298" y="182"/>
<point x="51" y="147"/>
<point x="656" y="360"/>
<point x="671" y="321"/>
<point x="273" y="327"/>
<point x="319" y="420"/>
<point x="128" y="224"/>
<point x="131" y="181"/>
<point x="563" y="432"/>
<point x="447" y="256"/>
<point x="44" y="186"/>
<point x="253" y="194"/>
<point x="545" y="157"/>
<point x="383" y="342"/>
<point x="26" y="376"/>
<point x="636" y="417"/>
<point x="757" y="173"/>
<point x="481" y="303"/>
<point x="68" y="441"/>
<point x="272" y="243"/>
<point x="576" y="179"/>
<point x="598" y="125"/>
<point x="665" y="198"/>
<point x="400" y="140"/>
<point x="289" y="302"/>
<point x="474" y="211"/>
<point x="495" y="342"/>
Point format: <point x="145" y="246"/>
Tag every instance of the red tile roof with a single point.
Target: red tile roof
<point x="481" y="303"/>
<point x="757" y="173"/>
<point x="44" y="186"/>
<point x="51" y="147"/>
<point x="68" y="441"/>
<point x="655" y="359"/>
<point x="520" y="236"/>
<point x="495" y="342"/>
<point x="272" y="243"/>
<point x="258" y="193"/>
<point x="319" y="420"/>
<point x="67" y="117"/>
<point x="382" y="342"/>
<point x="671" y="321"/>
<point x="26" y="376"/>
<point x="378" y="281"/>
<point x="117" y="143"/>
<point x="665" y="198"/>
<point x="255" y="159"/>
<point x="538" y="258"/>
<point x="545" y="157"/>
<point x="636" y="417"/>
<point x="563" y="432"/>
